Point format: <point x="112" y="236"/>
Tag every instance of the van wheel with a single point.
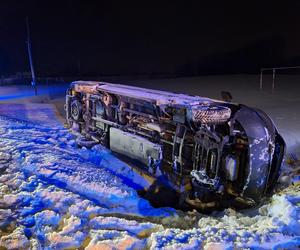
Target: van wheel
<point x="84" y="142"/>
<point x="76" y="110"/>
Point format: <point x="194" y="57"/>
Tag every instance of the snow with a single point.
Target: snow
<point x="274" y="224"/>
<point x="54" y="195"/>
<point x="15" y="240"/>
<point x="132" y="227"/>
<point x="114" y="239"/>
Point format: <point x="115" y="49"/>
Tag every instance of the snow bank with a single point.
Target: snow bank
<point x="275" y="225"/>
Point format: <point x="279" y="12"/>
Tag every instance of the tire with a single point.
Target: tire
<point x="76" y="109"/>
<point x="83" y="142"/>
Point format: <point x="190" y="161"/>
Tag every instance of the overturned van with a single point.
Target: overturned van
<point x="211" y="153"/>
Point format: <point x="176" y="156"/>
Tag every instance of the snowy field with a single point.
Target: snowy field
<point x="54" y="195"/>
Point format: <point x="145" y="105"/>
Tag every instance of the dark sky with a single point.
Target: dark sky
<point x="122" y="37"/>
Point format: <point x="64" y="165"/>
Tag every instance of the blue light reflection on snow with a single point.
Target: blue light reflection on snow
<point x="46" y="153"/>
<point x="28" y="92"/>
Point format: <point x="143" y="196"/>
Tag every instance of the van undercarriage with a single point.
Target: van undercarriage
<point x="212" y="154"/>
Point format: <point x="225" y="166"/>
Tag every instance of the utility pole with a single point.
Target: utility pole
<point x="33" y="82"/>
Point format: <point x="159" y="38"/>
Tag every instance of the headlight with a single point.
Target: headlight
<point x="231" y="167"/>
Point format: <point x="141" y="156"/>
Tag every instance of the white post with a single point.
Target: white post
<point x="261" y="79"/>
<point x="273" y="81"/>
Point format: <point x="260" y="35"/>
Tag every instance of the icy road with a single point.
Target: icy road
<point x="54" y="195"/>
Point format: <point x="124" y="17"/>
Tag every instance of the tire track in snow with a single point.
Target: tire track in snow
<point x="41" y="161"/>
<point x="50" y="160"/>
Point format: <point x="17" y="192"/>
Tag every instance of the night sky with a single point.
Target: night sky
<point x="87" y="38"/>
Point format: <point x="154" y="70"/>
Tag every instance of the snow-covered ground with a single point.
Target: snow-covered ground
<point x="54" y="195"/>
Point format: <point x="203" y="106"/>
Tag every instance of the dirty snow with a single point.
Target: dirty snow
<point x="54" y="195"/>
